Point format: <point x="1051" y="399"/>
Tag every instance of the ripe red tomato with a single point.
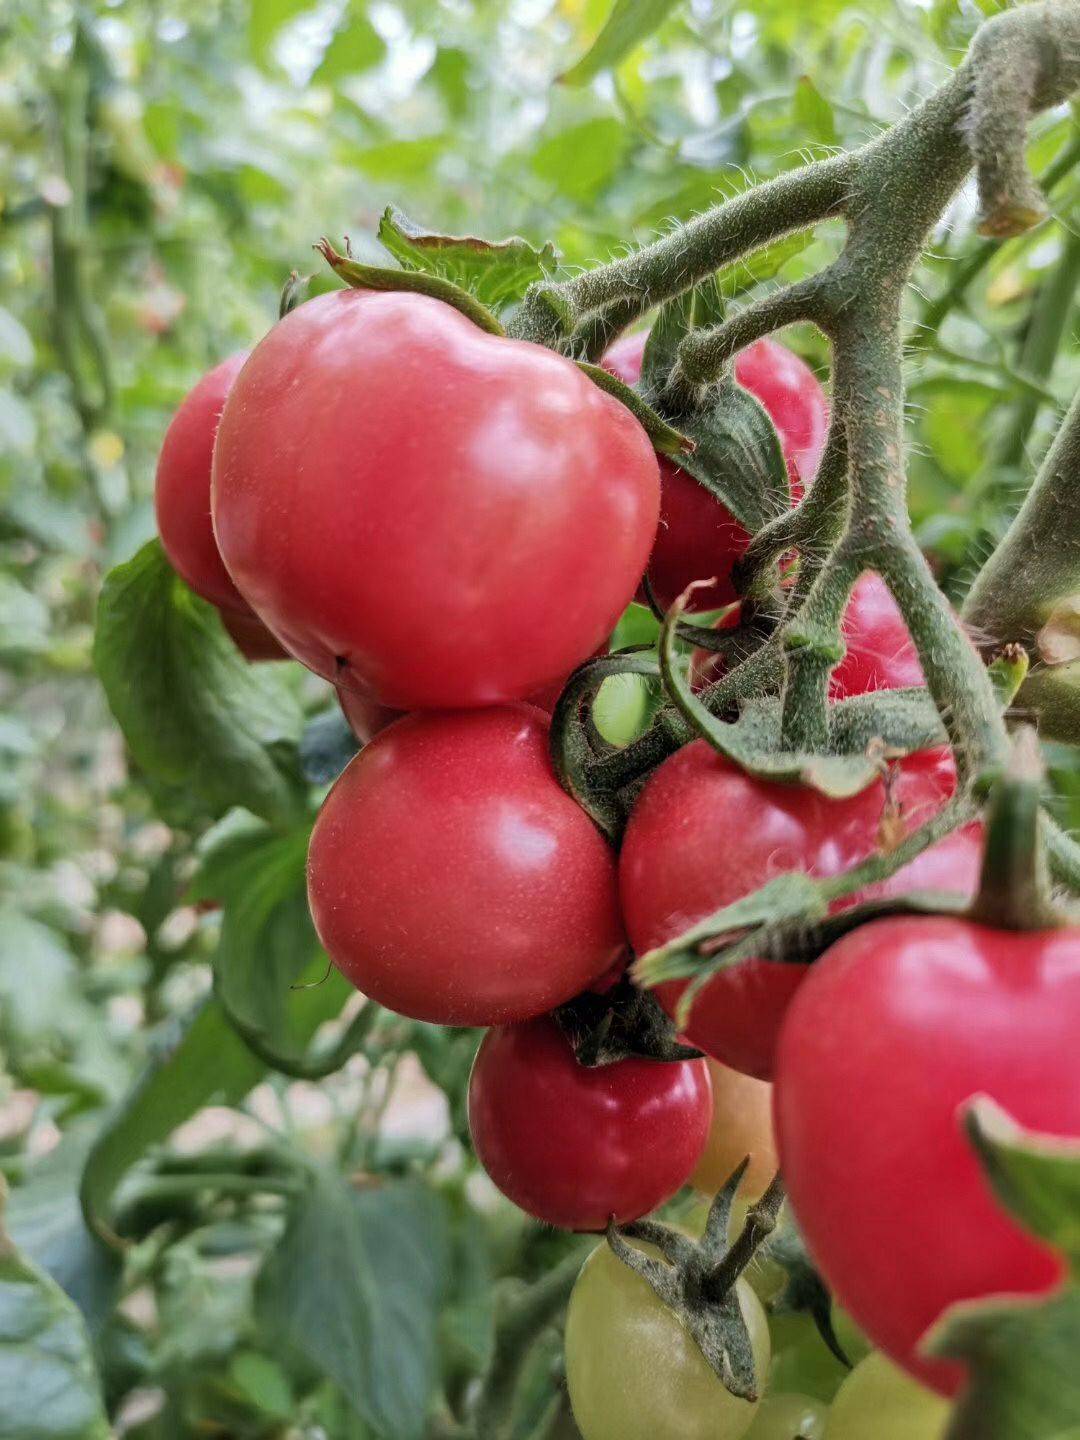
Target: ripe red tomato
<point x="574" y="1146"/>
<point x="182" y="502"/>
<point x="366" y="716"/>
<point x="880" y="652"/>
<point x="424" y="511"/>
<point x="703" y="833"/>
<point x="697" y="536"/>
<point x="898" y="1026"/>
<point x="452" y="879"/>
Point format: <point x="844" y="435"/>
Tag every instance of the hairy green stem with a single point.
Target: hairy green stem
<point x="1037" y="563"/>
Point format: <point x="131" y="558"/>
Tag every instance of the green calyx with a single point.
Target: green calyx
<point x="622" y="1023"/>
<point x="696" y="1279"/>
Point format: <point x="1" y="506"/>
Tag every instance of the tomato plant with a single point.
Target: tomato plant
<point x="698" y="537"/>
<point x="874" y="1211"/>
<point x="420" y="467"/>
<point x="576" y="1146"/>
<point x="689" y="850"/>
<point x="498" y="905"/>
<point x="634" y="1373"/>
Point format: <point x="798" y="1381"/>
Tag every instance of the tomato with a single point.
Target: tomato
<point x="452" y="879"/>
<point x="878" y="1400"/>
<point x="801" y="1361"/>
<point x="897" y="1026"/>
<point x="741" y="1126"/>
<point x="703" y="833"/>
<point x="182" y="503"/>
<point x="633" y="1370"/>
<point x="426" y="512"/>
<point x="789" y="1417"/>
<point x="574" y="1146"/>
<point x="880" y="653"/>
<point x="697" y="536"/>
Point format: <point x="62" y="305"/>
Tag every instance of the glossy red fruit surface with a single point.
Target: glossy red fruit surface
<point x="426" y="512"/>
<point x="182" y="488"/>
<point x="366" y="716"/>
<point x="697" y="536"/>
<point x="896" y="1028"/>
<point x="575" y="1146"/>
<point x="453" y="880"/>
<point x="703" y="833"/>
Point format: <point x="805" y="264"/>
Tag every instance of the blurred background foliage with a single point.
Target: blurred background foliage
<point x="164" y="165"/>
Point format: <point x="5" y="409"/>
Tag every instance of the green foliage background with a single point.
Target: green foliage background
<point x="163" y="167"/>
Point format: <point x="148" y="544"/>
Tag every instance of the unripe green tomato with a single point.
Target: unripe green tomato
<point x="853" y="1342"/>
<point x="789" y="1417"/>
<point x="621" y="708"/>
<point x="801" y="1360"/>
<point x="635" y="1373"/>
<point x="881" y="1401"/>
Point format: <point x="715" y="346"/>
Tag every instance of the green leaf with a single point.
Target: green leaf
<point x="738" y="456"/>
<point x="630" y="22"/>
<point x="197" y="1061"/>
<point x="49" y="1388"/>
<point x="354" y="1286"/>
<point x="813" y="114"/>
<point x="1036" y="1177"/>
<point x="422" y="282"/>
<point x="266" y="19"/>
<point x="355" y="46"/>
<point x="1021" y="1352"/>
<point x="268" y="946"/>
<point x="761" y="265"/>
<point x="24" y="619"/>
<point x="580" y="161"/>
<point x="401" y="160"/>
<point x="194" y="713"/>
<point x="496" y="272"/>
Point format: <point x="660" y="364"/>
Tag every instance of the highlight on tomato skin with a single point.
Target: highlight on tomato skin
<point x="690" y="848"/>
<point x="575" y="1146"/>
<point x="896" y="1028"/>
<point x="697" y="536"/>
<point x="453" y="880"/>
<point x="408" y="502"/>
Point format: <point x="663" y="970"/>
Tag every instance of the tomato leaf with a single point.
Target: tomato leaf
<point x="760" y="265"/>
<point x="272" y="976"/>
<point x="1021" y="1352"/>
<point x="198" y="718"/>
<point x="48" y="1381"/>
<point x="496" y="272"/>
<point x="420" y="282"/>
<point x="630" y="22"/>
<point x="197" y="1060"/>
<point x="267" y="18"/>
<point x="813" y="113"/>
<point x="354" y="1286"/>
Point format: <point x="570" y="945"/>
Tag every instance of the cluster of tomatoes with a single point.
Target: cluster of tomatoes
<point x="444" y="523"/>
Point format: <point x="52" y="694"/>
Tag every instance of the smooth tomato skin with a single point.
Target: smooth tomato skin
<point x="703" y="833"/>
<point x="697" y="536"/>
<point x="897" y="1027"/>
<point x="420" y="510"/>
<point x="789" y="1417"/>
<point x="880" y="653"/>
<point x="453" y="880"/>
<point x="182" y="488"/>
<point x="877" y="1401"/>
<point x="574" y="1146"/>
<point x="634" y="1372"/>
<point x="741" y="1126"/>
